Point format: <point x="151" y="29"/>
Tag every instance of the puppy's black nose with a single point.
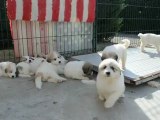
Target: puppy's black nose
<point x="59" y="61"/>
<point x="12" y="76"/>
<point x="108" y="73"/>
<point x="30" y="61"/>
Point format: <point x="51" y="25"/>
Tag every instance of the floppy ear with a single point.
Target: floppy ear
<point x="115" y="57"/>
<point x="43" y="56"/>
<point x="103" y="57"/>
<point x="87" y="68"/>
<point x="6" y="70"/>
<point x="19" y="68"/>
<point x="48" y="56"/>
<point x="23" y="58"/>
<point x="117" y="67"/>
<point x="17" y="72"/>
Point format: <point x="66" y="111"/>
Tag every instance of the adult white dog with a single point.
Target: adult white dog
<point x="110" y="82"/>
<point x="50" y="70"/>
<point x="149" y="39"/>
<point x="117" y="52"/>
<point x="8" y="69"/>
<point x="80" y="70"/>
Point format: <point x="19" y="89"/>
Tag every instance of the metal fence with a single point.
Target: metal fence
<point x="115" y="20"/>
<point x="34" y="38"/>
<point x="119" y="19"/>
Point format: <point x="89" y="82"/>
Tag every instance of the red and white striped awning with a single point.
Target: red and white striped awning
<point x="52" y="10"/>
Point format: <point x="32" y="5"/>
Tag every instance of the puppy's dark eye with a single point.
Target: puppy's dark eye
<point x="104" y="67"/>
<point x="10" y="71"/>
<point x="112" y="68"/>
<point x="59" y="56"/>
<point x="55" y="59"/>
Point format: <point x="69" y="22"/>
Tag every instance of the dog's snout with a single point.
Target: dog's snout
<point x="108" y="73"/>
<point x="30" y="61"/>
<point x="12" y="76"/>
<point x="59" y="61"/>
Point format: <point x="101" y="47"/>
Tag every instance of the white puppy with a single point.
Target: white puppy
<point x="110" y="82"/>
<point x="56" y="59"/>
<point x="27" y="59"/>
<point x="8" y="69"/>
<point x="78" y="70"/>
<point x="34" y="65"/>
<point x="29" y="66"/>
<point x="117" y="52"/>
<point x="50" y="70"/>
<point x="149" y="39"/>
<point x="24" y="69"/>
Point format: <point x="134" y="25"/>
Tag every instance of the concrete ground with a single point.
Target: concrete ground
<point x="73" y="100"/>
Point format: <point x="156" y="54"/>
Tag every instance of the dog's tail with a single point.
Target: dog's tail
<point x="140" y="35"/>
<point x="126" y="42"/>
<point x="38" y="81"/>
<point x="89" y="82"/>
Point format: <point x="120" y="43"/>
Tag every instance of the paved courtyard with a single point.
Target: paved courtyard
<point x="73" y="100"/>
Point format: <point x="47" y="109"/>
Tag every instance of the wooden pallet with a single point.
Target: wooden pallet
<point x="140" y="67"/>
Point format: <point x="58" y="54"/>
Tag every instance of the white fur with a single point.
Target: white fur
<point x="47" y="72"/>
<point x="50" y="71"/>
<point x="35" y="64"/>
<point x="120" y="50"/>
<point x="110" y="88"/>
<point x="27" y="59"/>
<point x="149" y="39"/>
<point x="56" y="59"/>
<point x="60" y="67"/>
<point x="29" y="66"/>
<point x="73" y="69"/>
<point x="24" y="69"/>
<point x="10" y="67"/>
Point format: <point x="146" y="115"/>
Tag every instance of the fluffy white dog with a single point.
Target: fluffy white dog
<point x="50" y="70"/>
<point x="34" y="65"/>
<point x="80" y="70"/>
<point x="24" y="69"/>
<point x="149" y="39"/>
<point x="110" y="82"/>
<point x="8" y="69"/>
<point x="29" y="66"/>
<point x="117" y="52"/>
<point x="56" y="59"/>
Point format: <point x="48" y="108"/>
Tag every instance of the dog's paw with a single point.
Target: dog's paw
<point x="38" y="84"/>
<point x="58" y="81"/>
<point x="108" y="105"/>
<point x="61" y="80"/>
<point x="123" y="67"/>
<point x="101" y="98"/>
